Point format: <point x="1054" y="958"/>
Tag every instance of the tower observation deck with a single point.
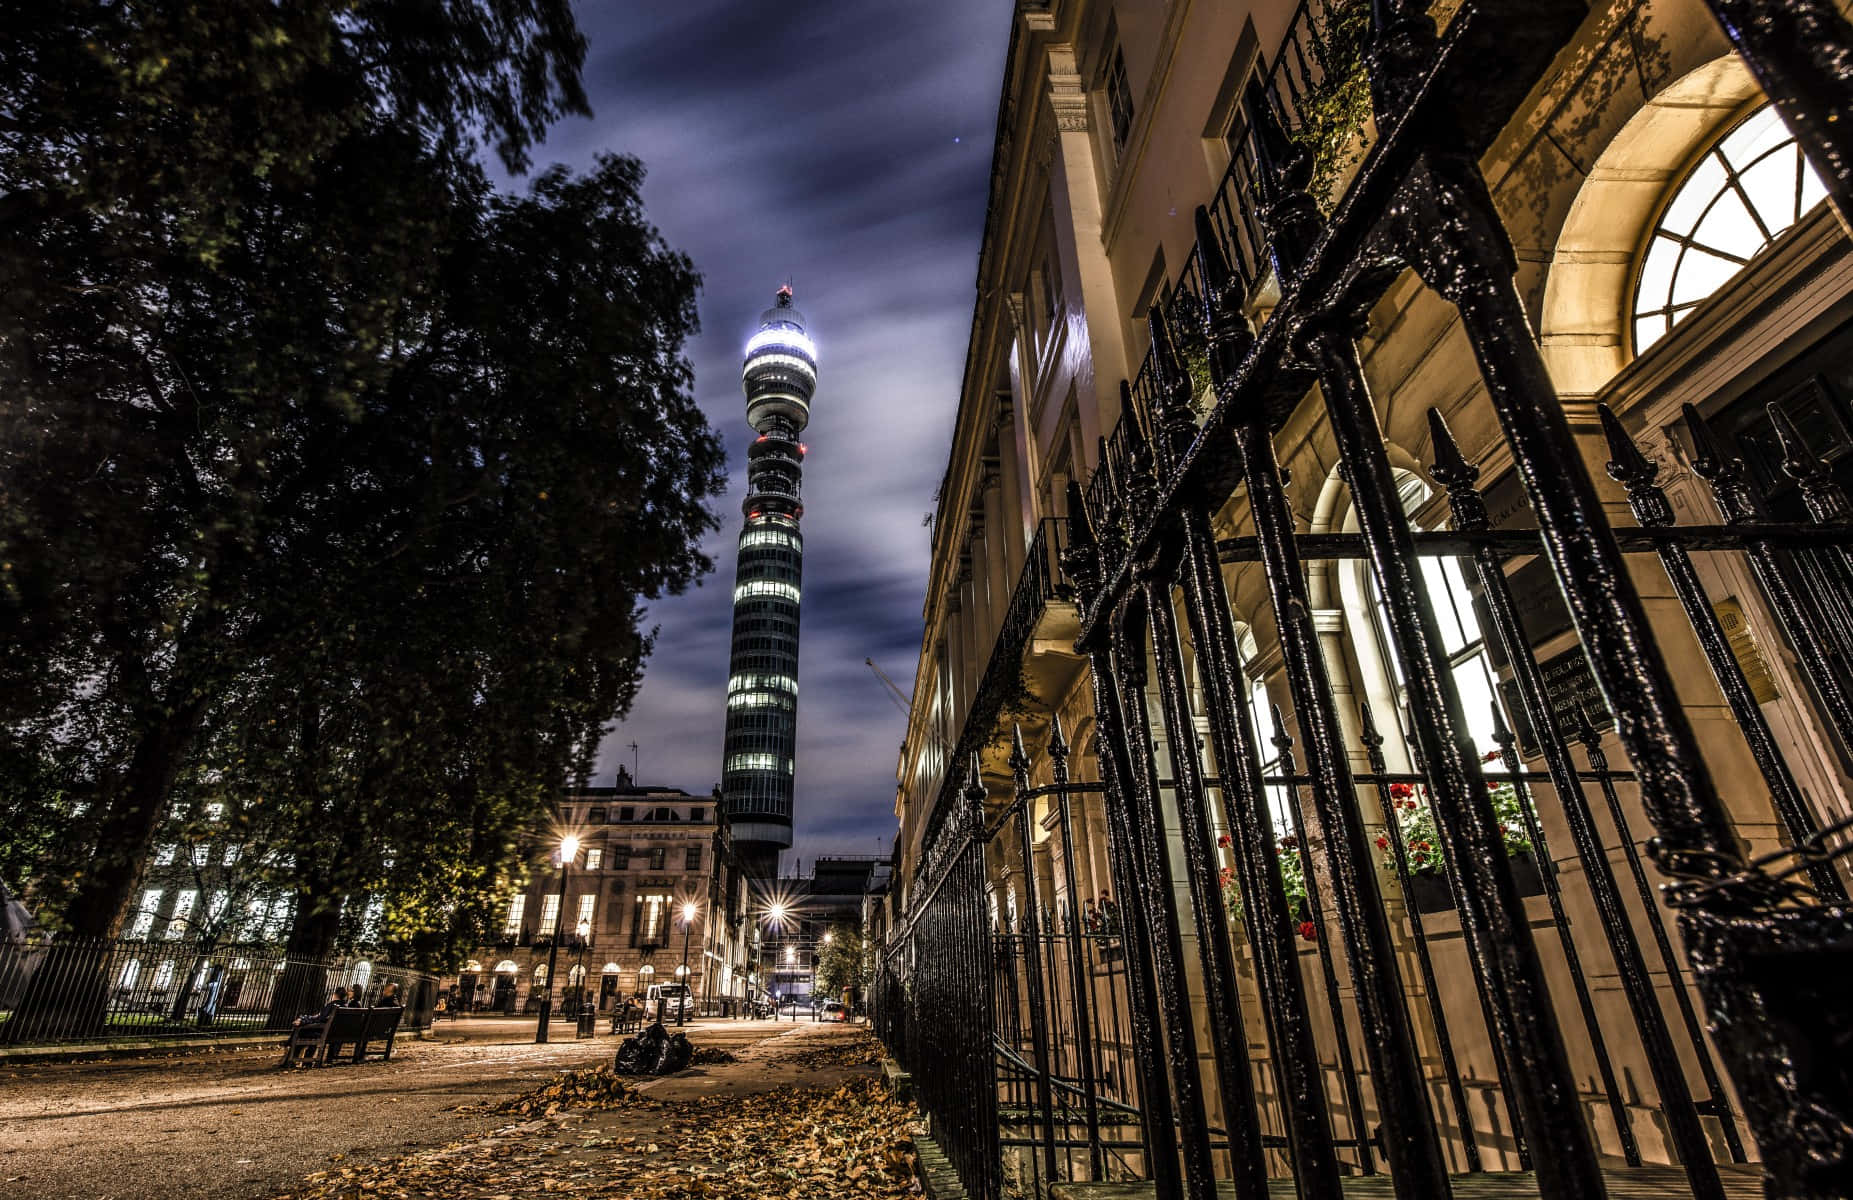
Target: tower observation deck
<point x="759" y="758"/>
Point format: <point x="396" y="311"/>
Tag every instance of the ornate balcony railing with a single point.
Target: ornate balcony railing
<point x="1039" y="584"/>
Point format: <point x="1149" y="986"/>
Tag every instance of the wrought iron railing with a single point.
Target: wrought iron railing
<point x="63" y="990"/>
<point x="1768" y="938"/>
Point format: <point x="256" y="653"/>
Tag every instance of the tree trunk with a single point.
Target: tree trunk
<point x="128" y="825"/>
<point x="302" y="985"/>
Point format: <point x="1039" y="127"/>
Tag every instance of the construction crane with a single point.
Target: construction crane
<point x="900" y="701"/>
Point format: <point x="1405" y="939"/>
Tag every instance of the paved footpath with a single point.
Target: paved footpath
<point x="229" y="1124"/>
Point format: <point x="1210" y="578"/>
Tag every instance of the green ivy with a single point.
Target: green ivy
<point x="1335" y="107"/>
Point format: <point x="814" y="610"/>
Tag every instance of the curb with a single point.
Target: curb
<point x="52" y="1054"/>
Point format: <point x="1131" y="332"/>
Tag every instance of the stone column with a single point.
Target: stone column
<point x="1076" y="189"/>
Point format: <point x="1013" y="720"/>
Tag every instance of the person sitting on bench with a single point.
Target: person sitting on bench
<point x="322" y="1014"/>
<point x="389" y="997"/>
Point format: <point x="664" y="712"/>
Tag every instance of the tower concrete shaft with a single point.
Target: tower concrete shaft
<point x="760" y="754"/>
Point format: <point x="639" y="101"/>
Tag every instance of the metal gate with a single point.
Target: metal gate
<point x="998" y="1019"/>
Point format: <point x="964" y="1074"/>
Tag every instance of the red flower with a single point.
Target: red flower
<point x="1309" y="931"/>
<point x="1383" y="843"/>
<point x="1227" y="874"/>
<point x="1490" y="755"/>
<point x="1289" y="842"/>
<point x="1411" y="806"/>
<point x="1401" y="791"/>
<point x="1423" y="845"/>
<point x="1224" y="840"/>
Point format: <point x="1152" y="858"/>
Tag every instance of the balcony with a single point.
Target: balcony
<point x="1033" y="654"/>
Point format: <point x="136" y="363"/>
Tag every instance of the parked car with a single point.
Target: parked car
<point x="669" y="1000"/>
<point x="835" y="1010"/>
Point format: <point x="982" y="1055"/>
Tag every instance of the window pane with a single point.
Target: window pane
<point x="1761" y="132"/>
<point x="1729" y="228"/>
<point x="1476" y="689"/>
<point x="1689" y="205"/>
<point x="1770" y="185"/>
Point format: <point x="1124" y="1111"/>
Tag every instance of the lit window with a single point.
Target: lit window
<point x="769" y="537"/>
<point x="516" y="907"/>
<point x="164" y="975"/>
<point x="1748" y="188"/>
<point x="1461" y="639"/>
<point x="183" y="909"/>
<point x="789" y="362"/>
<point x="549" y="914"/>
<point x="144" y="916"/>
<point x="163" y="855"/>
<point x="279" y="916"/>
<point x="750" y="680"/>
<point x="586" y="903"/>
<point x="231" y="855"/>
<point x="759" y="700"/>
<point x="594" y="859"/>
<point x="759" y="762"/>
<point x="766" y="587"/>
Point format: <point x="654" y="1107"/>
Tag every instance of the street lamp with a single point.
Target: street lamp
<point x="791" y="960"/>
<point x="583" y="931"/>
<point x="569" y="847"/>
<point x="689" y="910"/>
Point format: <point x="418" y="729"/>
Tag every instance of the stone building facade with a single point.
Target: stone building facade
<point x="653" y="895"/>
<point x="1672" y="249"/>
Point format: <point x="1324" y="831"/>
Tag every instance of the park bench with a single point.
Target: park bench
<point x="319" y="1044"/>
<point x="626" y="1020"/>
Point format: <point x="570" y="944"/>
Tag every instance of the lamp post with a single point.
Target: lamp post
<point x="775" y="917"/>
<point x="569" y="846"/>
<point x="583" y="932"/>
<point x="689" y="909"/>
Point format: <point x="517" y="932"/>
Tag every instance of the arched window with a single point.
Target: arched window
<point x="1261" y="712"/>
<point x="1461" y="637"/>
<point x="506" y="967"/>
<point x="540" y="975"/>
<point x="1749" y="187"/>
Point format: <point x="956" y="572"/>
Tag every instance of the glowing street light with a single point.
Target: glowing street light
<point x="569" y="848"/>
<point x="690" y="910"/>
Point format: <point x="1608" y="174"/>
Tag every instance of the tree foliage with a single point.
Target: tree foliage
<point x="840" y="964"/>
<point x="332" y="481"/>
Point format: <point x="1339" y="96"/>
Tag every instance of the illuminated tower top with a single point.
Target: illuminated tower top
<point x="760" y="755"/>
<point x="781" y="368"/>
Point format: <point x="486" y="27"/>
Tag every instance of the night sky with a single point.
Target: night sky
<point x="846" y="146"/>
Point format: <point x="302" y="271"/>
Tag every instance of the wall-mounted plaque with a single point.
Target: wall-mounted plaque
<point x="1570" y="687"/>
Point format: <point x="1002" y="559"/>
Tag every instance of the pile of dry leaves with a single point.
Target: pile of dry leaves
<point x="855" y="1143"/>
<point x="861" y="1051"/>
<point x="711" y="1056"/>
<point x="594" y="1087"/>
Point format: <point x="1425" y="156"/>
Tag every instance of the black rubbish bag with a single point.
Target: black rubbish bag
<point x="675" y="1054"/>
<point x="639" y="1054"/>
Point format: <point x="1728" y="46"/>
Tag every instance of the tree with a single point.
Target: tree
<point x="210" y="230"/>
<point x="840" y="965"/>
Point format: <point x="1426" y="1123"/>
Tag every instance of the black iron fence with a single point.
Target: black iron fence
<point x="63" y="990"/>
<point x="1723" y="966"/>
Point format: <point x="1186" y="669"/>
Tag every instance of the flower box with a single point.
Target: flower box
<point x="1428" y="891"/>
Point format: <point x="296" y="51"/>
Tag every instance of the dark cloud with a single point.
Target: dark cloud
<point x="848" y="147"/>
